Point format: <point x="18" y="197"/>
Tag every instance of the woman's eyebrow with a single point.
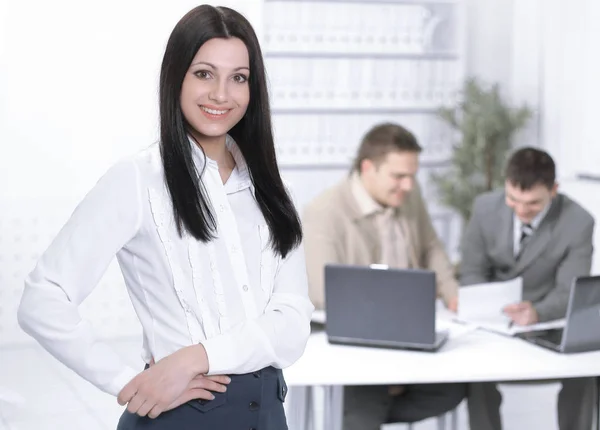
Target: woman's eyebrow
<point x="215" y="67"/>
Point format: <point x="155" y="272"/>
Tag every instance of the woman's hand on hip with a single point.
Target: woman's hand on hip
<point x="201" y="387"/>
<point x="155" y="389"/>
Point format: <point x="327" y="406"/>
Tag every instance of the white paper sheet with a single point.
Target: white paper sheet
<point x="514" y="329"/>
<point x="455" y="329"/>
<point x="483" y="304"/>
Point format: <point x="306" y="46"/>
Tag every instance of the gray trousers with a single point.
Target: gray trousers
<point x="368" y="407"/>
<point x="575" y="405"/>
<point x="252" y="401"/>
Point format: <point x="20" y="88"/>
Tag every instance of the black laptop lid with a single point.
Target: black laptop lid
<point x="387" y="305"/>
<point x="582" y="331"/>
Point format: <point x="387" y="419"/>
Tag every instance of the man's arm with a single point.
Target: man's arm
<point x="577" y="262"/>
<point x="322" y="245"/>
<point x="436" y="258"/>
<point x="475" y="265"/>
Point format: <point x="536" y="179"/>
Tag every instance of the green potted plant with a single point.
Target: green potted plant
<point x="485" y="127"/>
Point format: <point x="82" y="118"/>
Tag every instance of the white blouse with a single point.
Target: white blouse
<point x="248" y="307"/>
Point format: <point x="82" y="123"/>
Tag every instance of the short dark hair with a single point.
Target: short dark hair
<point x="383" y="139"/>
<point x="253" y="133"/>
<point x="528" y="167"/>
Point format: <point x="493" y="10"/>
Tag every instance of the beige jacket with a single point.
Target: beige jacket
<point x="336" y="232"/>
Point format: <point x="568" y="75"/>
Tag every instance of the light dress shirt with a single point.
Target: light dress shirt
<point x="394" y="249"/>
<point x="518" y="226"/>
<point x="246" y="305"/>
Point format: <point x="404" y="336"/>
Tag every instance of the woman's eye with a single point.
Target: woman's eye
<point x="202" y="74"/>
<point x="240" y="79"/>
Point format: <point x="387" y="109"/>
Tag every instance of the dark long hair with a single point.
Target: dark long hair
<point x="253" y="133"/>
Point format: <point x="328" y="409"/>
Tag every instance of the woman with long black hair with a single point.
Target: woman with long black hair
<point x="209" y="243"/>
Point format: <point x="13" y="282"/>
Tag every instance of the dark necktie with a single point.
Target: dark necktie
<point x="526" y="233"/>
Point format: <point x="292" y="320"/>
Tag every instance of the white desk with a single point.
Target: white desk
<point x="474" y="356"/>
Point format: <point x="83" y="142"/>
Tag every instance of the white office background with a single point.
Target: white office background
<point x="78" y="91"/>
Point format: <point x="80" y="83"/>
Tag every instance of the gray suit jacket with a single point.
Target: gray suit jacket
<point x="560" y="250"/>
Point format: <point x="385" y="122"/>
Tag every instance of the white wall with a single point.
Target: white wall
<point x="545" y="51"/>
<point x="503" y="46"/>
<point x="571" y="67"/>
<point x="490" y="40"/>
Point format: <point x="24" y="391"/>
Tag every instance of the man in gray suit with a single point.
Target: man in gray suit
<point x="532" y="231"/>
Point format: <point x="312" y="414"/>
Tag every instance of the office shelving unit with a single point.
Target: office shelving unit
<point x="339" y="67"/>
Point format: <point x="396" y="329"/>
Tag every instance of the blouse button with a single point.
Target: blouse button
<point x="245" y="288"/>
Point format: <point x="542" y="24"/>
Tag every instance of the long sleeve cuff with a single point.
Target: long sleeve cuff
<point x="232" y="352"/>
<point x="220" y="351"/>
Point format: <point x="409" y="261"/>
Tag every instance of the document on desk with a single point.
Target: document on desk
<point x="482" y="304"/>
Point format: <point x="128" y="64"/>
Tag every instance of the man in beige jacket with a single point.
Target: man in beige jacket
<point x="377" y="215"/>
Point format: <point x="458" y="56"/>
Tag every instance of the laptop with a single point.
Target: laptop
<point x="580" y="333"/>
<point x="381" y="307"/>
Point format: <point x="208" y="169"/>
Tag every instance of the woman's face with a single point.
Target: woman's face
<point x="215" y="92"/>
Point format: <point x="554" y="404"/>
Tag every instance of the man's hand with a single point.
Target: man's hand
<point x="453" y="304"/>
<point x="522" y="313"/>
<point x="163" y="384"/>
